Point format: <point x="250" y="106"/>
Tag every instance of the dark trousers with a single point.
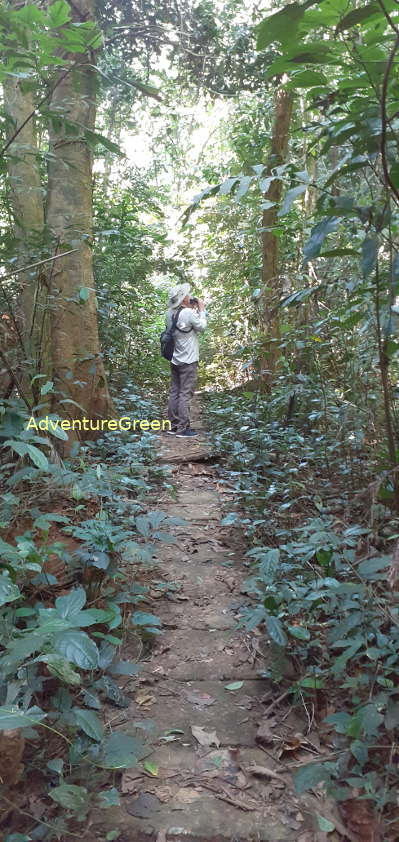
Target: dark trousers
<point x="183" y="382"/>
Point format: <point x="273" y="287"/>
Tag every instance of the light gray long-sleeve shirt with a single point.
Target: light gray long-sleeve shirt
<point x="186" y="344"/>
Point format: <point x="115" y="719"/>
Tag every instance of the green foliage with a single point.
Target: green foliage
<point x="59" y="660"/>
<point x="312" y="591"/>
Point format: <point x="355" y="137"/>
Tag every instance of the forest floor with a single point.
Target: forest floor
<point x="211" y="772"/>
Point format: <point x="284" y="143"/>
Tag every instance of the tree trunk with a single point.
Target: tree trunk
<point x="78" y="369"/>
<point x="311" y="192"/>
<point x="26" y="200"/>
<point x="271" y="280"/>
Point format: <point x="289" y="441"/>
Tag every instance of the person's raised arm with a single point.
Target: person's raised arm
<point x="198" y="320"/>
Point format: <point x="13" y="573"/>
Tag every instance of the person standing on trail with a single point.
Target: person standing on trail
<point x="191" y="320"/>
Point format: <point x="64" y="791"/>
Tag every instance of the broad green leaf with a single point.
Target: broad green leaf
<point x="245" y="182"/>
<point x="254" y="617"/>
<point x="109" y="798"/>
<point x="143" y="525"/>
<point x="69" y="605"/>
<point x="307" y="79"/>
<point x="56" y="765"/>
<point x="89" y="723"/>
<point x="347" y="166"/>
<point x="13" y="717"/>
<point x="317" y="237"/>
<point x="325" y="824"/>
<point x="9" y="591"/>
<point x="96" y="139"/>
<point x="24" y="449"/>
<point x="151" y="768"/>
<point x="275" y="629"/>
<point x="360" y="751"/>
<point x="91" y="699"/>
<point x="59" y="13"/>
<point x="357" y="16"/>
<point x="310" y="776"/>
<point x="140" y="618"/>
<point x="290" y="197"/>
<point x="235" y="685"/>
<point x="341" y="721"/>
<point x="112" y="691"/>
<point x="30" y="14"/>
<point x="77" y="647"/>
<point x="227" y="186"/>
<point x="84" y="294"/>
<point x="268" y="562"/>
<point x="318" y="52"/>
<point x="370" y="719"/>
<point x="352" y="649"/>
<point x="23" y="647"/>
<point x="370" y="568"/>
<point x="122" y="751"/>
<point x="266" y="205"/>
<point x="282" y="26"/>
<point x="47" y="387"/>
<point x="71" y="797"/>
<point x="300" y="632"/>
<point x="58" y="665"/>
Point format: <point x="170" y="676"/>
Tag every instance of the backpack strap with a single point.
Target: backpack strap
<point x="175" y="320"/>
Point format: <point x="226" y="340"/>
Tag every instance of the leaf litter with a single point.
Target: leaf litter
<point x="205" y="738"/>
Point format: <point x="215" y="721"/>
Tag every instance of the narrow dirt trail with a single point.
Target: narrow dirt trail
<point x="200" y="694"/>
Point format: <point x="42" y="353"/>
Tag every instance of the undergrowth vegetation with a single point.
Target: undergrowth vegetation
<point x="320" y="535"/>
<point x="80" y="542"/>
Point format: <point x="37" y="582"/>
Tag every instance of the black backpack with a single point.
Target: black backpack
<point x="167" y="338"/>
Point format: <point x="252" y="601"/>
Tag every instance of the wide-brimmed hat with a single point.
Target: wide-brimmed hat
<point x="177" y="294"/>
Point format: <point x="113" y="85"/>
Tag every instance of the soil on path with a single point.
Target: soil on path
<point x="200" y="698"/>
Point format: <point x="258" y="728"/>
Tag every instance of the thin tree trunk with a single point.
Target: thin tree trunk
<point x="78" y="368"/>
<point x="271" y="279"/>
<point x="311" y="192"/>
<point x="115" y="105"/>
<point x="26" y="199"/>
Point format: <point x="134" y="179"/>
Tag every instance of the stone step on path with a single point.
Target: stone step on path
<point x="200" y="696"/>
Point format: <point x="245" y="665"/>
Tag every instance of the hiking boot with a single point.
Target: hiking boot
<point x="187" y="434"/>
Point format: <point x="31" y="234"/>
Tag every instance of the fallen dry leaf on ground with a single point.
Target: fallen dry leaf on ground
<point x="199" y="699"/>
<point x="163" y="793"/>
<point x="186" y="795"/>
<point x="264" y="734"/>
<point x="205" y="738"/>
<point x="144" y="698"/>
<point x="265" y="772"/>
<point x="131" y="781"/>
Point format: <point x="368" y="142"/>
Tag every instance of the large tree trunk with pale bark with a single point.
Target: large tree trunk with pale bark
<point x="78" y="369"/>
<point x="27" y="207"/>
<point x="271" y="277"/>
